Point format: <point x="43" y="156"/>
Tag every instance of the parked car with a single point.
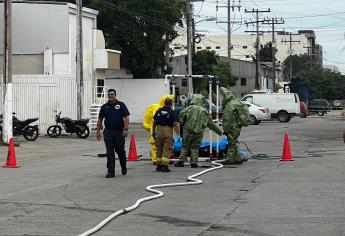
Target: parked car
<point x="258" y="113"/>
<point x="337" y="105"/>
<point x="304" y="110"/>
<point x="319" y="106"/>
<point x="283" y="106"/>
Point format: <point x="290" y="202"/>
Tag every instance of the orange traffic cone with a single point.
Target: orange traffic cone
<point x="286" y="150"/>
<point x="132" y="154"/>
<point x="11" y="156"/>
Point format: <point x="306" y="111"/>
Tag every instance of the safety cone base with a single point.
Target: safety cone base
<point x="17" y="166"/>
<point x="287" y="160"/>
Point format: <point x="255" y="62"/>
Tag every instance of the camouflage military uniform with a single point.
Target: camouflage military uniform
<point x="235" y="116"/>
<point x="194" y="119"/>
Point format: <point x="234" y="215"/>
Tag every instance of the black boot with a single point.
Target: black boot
<point x="110" y="174"/>
<point x="159" y="168"/>
<point x="194" y="166"/>
<point x="124" y="171"/>
<point x="165" y="168"/>
<point x="179" y="164"/>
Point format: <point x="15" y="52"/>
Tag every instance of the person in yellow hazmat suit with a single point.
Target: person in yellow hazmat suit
<point x="148" y="122"/>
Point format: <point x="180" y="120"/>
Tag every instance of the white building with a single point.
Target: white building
<point x="44" y="60"/>
<point x="44" y="40"/>
<point x="243" y="45"/>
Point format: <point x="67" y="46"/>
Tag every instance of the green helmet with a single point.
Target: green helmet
<point x="197" y="99"/>
<point x="228" y="96"/>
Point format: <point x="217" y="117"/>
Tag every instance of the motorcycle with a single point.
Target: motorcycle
<point x="23" y="127"/>
<point x="70" y="126"/>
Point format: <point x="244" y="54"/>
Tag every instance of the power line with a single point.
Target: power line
<point x="257" y="21"/>
<point x="290" y="41"/>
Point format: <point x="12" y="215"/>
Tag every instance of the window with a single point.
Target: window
<point x="248" y="99"/>
<point x="243" y="81"/>
<point x="208" y="47"/>
<point x="100" y="86"/>
<point x="217" y="47"/>
<point x="198" y="47"/>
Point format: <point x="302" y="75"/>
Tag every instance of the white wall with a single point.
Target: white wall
<point x="137" y="94"/>
<point x="62" y="65"/>
<point x="37" y="26"/>
<point x="38" y="95"/>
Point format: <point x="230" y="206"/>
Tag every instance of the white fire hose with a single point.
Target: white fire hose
<point x="191" y="180"/>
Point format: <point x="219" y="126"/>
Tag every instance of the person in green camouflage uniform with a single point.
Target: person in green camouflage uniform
<point x="194" y="120"/>
<point x="235" y="115"/>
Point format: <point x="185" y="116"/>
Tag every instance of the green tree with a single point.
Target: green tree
<point x="324" y="83"/>
<point x="299" y="63"/>
<point x="265" y="53"/>
<point x="138" y="28"/>
<point x="206" y="62"/>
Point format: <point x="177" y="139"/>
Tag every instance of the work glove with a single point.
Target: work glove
<point x="153" y="134"/>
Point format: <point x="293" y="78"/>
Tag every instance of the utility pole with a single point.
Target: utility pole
<point x="311" y="53"/>
<point x="190" y="37"/>
<point x="228" y="22"/>
<point x="167" y="52"/>
<point x="7" y="73"/>
<point x="257" y="72"/>
<point x="290" y="41"/>
<point x="189" y="48"/>
<point x="79" y="57"/>
<point x="274" y="22"/>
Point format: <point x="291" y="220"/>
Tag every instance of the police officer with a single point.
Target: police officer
<point x="116" y="120"/>
<point x="162" y="130"/>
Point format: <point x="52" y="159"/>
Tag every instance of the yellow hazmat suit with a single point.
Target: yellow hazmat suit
<point x="148" y="122"/>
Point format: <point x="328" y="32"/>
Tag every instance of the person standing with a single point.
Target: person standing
<point x="116" y="121"/>
<point x="162" y="131"/>
<point x="194" y="119"/>
<point x="235" y="116"/>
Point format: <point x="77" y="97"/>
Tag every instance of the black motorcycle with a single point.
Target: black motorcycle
<point x="70" y="126"/>
<point x="23" y="127"/>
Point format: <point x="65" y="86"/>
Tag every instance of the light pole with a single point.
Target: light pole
<point x="197" y="37"/>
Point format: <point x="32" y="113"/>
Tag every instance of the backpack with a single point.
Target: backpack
<point x="243" y="114"/>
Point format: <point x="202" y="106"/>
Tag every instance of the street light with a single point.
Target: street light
<point x="197" y="37"/>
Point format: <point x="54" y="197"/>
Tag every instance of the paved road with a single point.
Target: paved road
<point x="61" y="190"/>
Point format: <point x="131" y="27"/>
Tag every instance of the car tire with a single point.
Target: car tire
<point x="320" y="113"/>
<point x="303" y="115"/>
<point x="254" y="120"/>
<point x="283" y="116"/>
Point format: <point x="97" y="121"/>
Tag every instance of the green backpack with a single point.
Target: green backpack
<point x="243" y="114"/>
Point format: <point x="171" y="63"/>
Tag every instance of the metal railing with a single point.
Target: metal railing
<point x="99" y="94"/>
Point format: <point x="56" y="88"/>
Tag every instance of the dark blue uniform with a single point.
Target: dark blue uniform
<point x="114" y="114"/>
<point x="165" y="116"/>
<point x="165" y="119"/>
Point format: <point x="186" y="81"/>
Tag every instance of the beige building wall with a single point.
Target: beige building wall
<point x="113" y="61"/>
<point x="25" y="64"/>
<point x="243" y="45"/>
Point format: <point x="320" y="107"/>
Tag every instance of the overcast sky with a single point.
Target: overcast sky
<point x="326" y="18"/>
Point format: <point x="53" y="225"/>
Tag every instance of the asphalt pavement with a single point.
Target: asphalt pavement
<point x="60" y="187"/>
